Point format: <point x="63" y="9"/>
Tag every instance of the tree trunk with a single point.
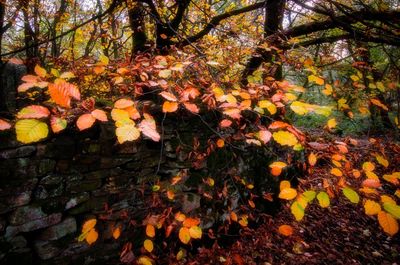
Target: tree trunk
<point x="136" y="15"/>
<point x="274" y="12"/>
<point x="55" y="49"/>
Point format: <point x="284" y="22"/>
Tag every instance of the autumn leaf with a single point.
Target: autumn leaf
<point x="127" y="133"/>
<point x="297" y="209"/>
<point x="351" y="195"/>
<point x="168" y="96"/>
<point x="40" y="71"/>
<point x="284" y="185"/>
<point x="195" y="232"/>
<point x="169" y="106"/>
<point x="372" y="207"/>
<point x="31" y="130"/>
<point x="33" y="112"/>
<point x="123" y="103"/>
<point x="336" y="172"/>
<point x="85" y="121"/>
<point x="312" y="159"/>
<point x="191" y="107"/>
<point x="393" y="209"/>
<point x="264" y="136"/>
<point x="331" y="123"/>
<point x="323" y="199"/>
<point x="99" y="115"/>
<point x="276" y="168"/>
<point x="148" y="128"/>
<point x="288" y="194"/>
<point x="144" y="260"/>
<point x="148" y="245"/>
<point x="309" y="195"/>
<point x="57" y="124"/>
<point x="116" y="233"/>
<point x="92" y="236"/>
<point x="4" y="125"/>
<point x="368" y="166"/>
<point x="150" y="230"/>
<point x="285" y="138"/>
<point x="388" y="223"/>
<point x="88" y="225"/>
<point x="184" y="235"/>
<point x="316" y="79"/>
<point x="285" y="230"/>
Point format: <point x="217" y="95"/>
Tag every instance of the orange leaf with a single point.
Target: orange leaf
<point x="225" y="123"/>
<point x="85" y="121"/>
<point x="368" y="166"/>
<point x="285" y="230"/>
<point x="336" y="172"/>
<point x="59" y="94"/>
<point x="92" y="236"/>
<point x="184" y="235"/>
<point x="40" y="71"/>
<point x="220" y="143"/>
<point x="150" y="230"/>
<point x="148" y="245"/>
<point x="288" y="194"/>
<point x="189" y="222"/>
<point x="117" y="233"/>
<point x="88" y="225"/>
<point x="284" y="185"/>
<point x="371" y="183"/>
<point x="169" y="106"/>
<point x="99" y="115"/>
<point x="388" y="223"/>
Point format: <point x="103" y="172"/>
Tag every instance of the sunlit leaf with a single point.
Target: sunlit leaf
<point x="31" y="130"/>
<point x="288" y="194"/>
<point x="368" y="166"/>
<point x="57" y="124"/>
<point x="351" y="195"/>
<point x="284" y="185"/>
<point x="33" y="112"/>
<point x="40" y="71"/>
<point x="372" y="207"/>
<point x="393" y="209"/>
<point x="285" y="138"/>
<point x="381" y="160"/>
<point x="336" y="172"/>
<point x="184" y="235"/>
<point x="127" y="133"/>
<point x="123" y="103"/>
<point x="99" y="115"/>
<point x="85" y="121"/>
<point x="316" y="79"/>
<point x="116" y="233"/>
<point x="92" y="236"/>
<point x="332" y="123"/>
<point x="150" y="230"/>
<point x="144" y="260"/>
<point x="297" y="209"/>
<point x="148" y="245"/>
<point x="388" y="223"/>
<point x="195" y="232"/>
<point x="309" y="195"/>
<point x="323" y="199"/>
<point x="168" y="96"/>
<point x="312" y="159"/>
<point x="169" y="106"/>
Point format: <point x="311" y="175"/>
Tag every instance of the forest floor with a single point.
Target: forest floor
<point x="339" y="234"/>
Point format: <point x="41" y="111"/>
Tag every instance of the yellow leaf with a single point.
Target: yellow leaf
<point x="31" y="130"/>
<point x="164" y="73"/>
<point x="148" y="245"/>
<point x="119" y="114"/>
<point x="328" y="90"/>
<point x="40" y="71"/>
<point x="372" y="207"/>
<point x="195" y="232"/>
<point x="184" y="235"/>
<point x="297" y="210"/>
<point x="288" y="194"/>
<point x="266" y="104"/>
<point x="393" y="209"/>
<point x="144" y="260"/>
<point x="127" y="133"/>
<point x="323" y="199"/>
<point x="387" y="199"/>
<point x="299" y="108"/>
<point x="309" y="195"/>
<point x="180" y="255"/>
<point x="336" y="172"/>
<point x="316" y="79"/>
<point x="332" y="123"/>
<point x="381" y="160"/>
<point x="351" y="195"/>
<point x="285" y="138"/>
<point x="312" y="159"/>
<point x="388" y="223"/>
<point x="104" y="59"/>
<point x="371" y="175"/>
<point x="92" y="236"/>
<point x="284" y="185"/>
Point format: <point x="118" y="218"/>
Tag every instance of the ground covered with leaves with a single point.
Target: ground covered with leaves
<point x="339" y="234"/>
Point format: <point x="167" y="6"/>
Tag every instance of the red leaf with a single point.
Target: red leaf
<point x="33" y="112"/>
<point x="225" y="123"/>
<point x="4" y="125"/>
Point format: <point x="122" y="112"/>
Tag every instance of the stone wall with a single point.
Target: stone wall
<point x="48" y="189"/>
